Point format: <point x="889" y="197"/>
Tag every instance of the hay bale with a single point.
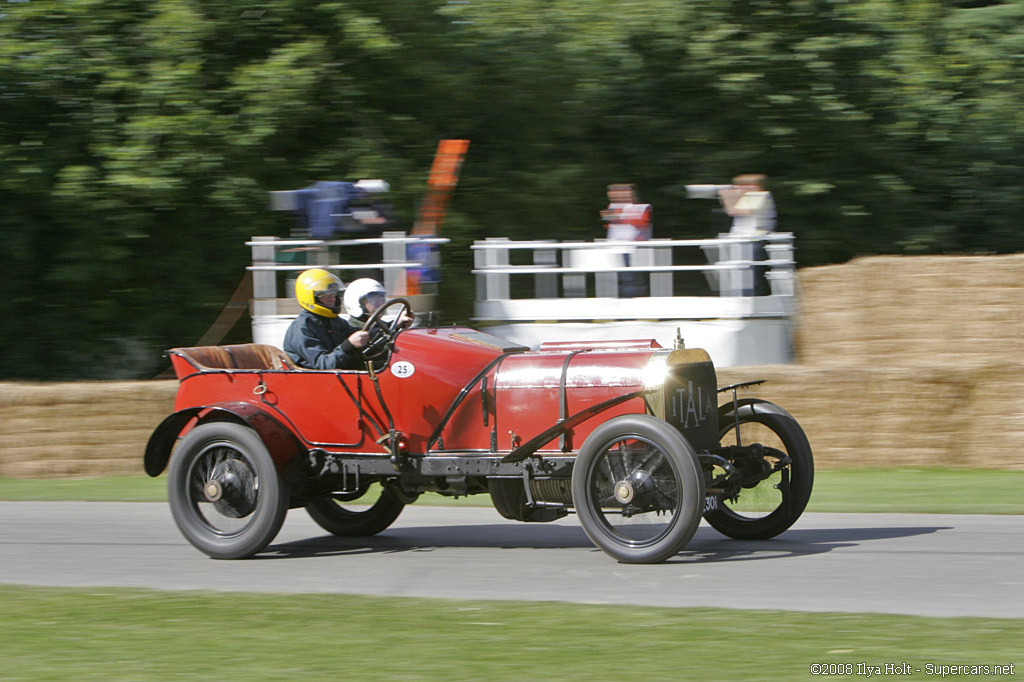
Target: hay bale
<point x="52" y="430"/>
<point x="912" y="311"/>
<point x="907" y="417"/>
<point x="923" y="354"/>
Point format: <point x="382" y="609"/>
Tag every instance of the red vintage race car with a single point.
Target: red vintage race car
<point x="628" y="435"/>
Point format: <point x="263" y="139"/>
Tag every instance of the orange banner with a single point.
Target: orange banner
<point x="444" y="175"/>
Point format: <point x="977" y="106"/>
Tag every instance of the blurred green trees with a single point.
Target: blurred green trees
<point x="139" y="138"/>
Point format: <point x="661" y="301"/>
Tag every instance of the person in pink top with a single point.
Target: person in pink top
<point x="625" y="218"/>
<point x="628" y="220"/>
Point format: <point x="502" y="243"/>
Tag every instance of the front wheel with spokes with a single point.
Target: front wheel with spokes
<point x="774" y="461"/>
<point x="638" y="489"/>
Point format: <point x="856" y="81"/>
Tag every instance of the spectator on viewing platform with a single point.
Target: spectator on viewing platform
<point x="751" y="207"/>
<point x="625" y="219"/>
<point x="628" y="220"/>
<point x="753" y="215"/>
<point x="318" y="338"/>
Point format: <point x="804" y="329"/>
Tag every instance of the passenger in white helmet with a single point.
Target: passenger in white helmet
<point x="364" y="297"/>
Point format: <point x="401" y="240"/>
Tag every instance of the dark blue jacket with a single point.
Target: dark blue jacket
<point x="317" y="342"/>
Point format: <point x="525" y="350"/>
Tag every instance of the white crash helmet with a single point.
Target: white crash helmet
<point x="361" y="291"/>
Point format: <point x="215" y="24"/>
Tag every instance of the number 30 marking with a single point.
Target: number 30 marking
<point x="403" y="369"/>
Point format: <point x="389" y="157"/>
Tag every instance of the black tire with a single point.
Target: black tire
<point x="775" y="503"/>
<point x="343" y="515"/>
<point x="509" y="498"/>
<point x="638" y="489"/>
<point x="224" y="491"/>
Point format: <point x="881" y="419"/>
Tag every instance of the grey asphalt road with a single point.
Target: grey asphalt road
<point x="922" y="564"/>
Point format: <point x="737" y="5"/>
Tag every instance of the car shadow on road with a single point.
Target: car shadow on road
<point x="707" y="545"/>
<point x="430" y="538"/>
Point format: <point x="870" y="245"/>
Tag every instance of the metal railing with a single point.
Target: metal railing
<point x="732" y="267"/>
<point x="273" y="259"/>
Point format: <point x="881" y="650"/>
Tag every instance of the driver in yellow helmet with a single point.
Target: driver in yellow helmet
<point x="318" y="338"/>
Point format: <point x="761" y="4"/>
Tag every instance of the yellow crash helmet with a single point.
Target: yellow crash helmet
<point x="314" y="283"/>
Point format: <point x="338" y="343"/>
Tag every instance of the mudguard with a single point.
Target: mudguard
<point x="282" y="444"/>
<point x="750" y="406"/>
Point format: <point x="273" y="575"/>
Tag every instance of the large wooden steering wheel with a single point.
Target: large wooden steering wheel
<point x="383" y="333"/>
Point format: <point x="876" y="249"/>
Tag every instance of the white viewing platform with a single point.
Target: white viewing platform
<point x="733" y="296"/>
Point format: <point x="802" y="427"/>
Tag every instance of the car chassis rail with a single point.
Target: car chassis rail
<point x="352" y="468"/>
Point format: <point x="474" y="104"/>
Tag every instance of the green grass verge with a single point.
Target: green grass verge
<point x="941" y="491"/>
<point x="115" y="489"/>
<point x="120" y="635"/>
<point x="951" y="491"/>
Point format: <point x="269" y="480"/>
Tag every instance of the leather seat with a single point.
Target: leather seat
<point x="243" y="356"/>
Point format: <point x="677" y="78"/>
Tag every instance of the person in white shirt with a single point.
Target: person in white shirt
<point x="753" y="216"/>
<point x="751" y="207"/>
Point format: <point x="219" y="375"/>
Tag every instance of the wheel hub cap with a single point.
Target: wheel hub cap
<point x="636" y="491"/>
<point x="624" y="492"/>
<point x="231" y="488"/>
<point x="213" y="490"/>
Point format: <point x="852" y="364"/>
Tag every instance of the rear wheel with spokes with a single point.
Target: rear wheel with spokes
<point x="224" y="491"/>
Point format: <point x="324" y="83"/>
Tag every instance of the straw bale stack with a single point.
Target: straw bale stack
<point x="910" y="361"/>
<point x="933" y="311"/>
<point x="969" y="417"/>
<point x="79" y="429"/>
